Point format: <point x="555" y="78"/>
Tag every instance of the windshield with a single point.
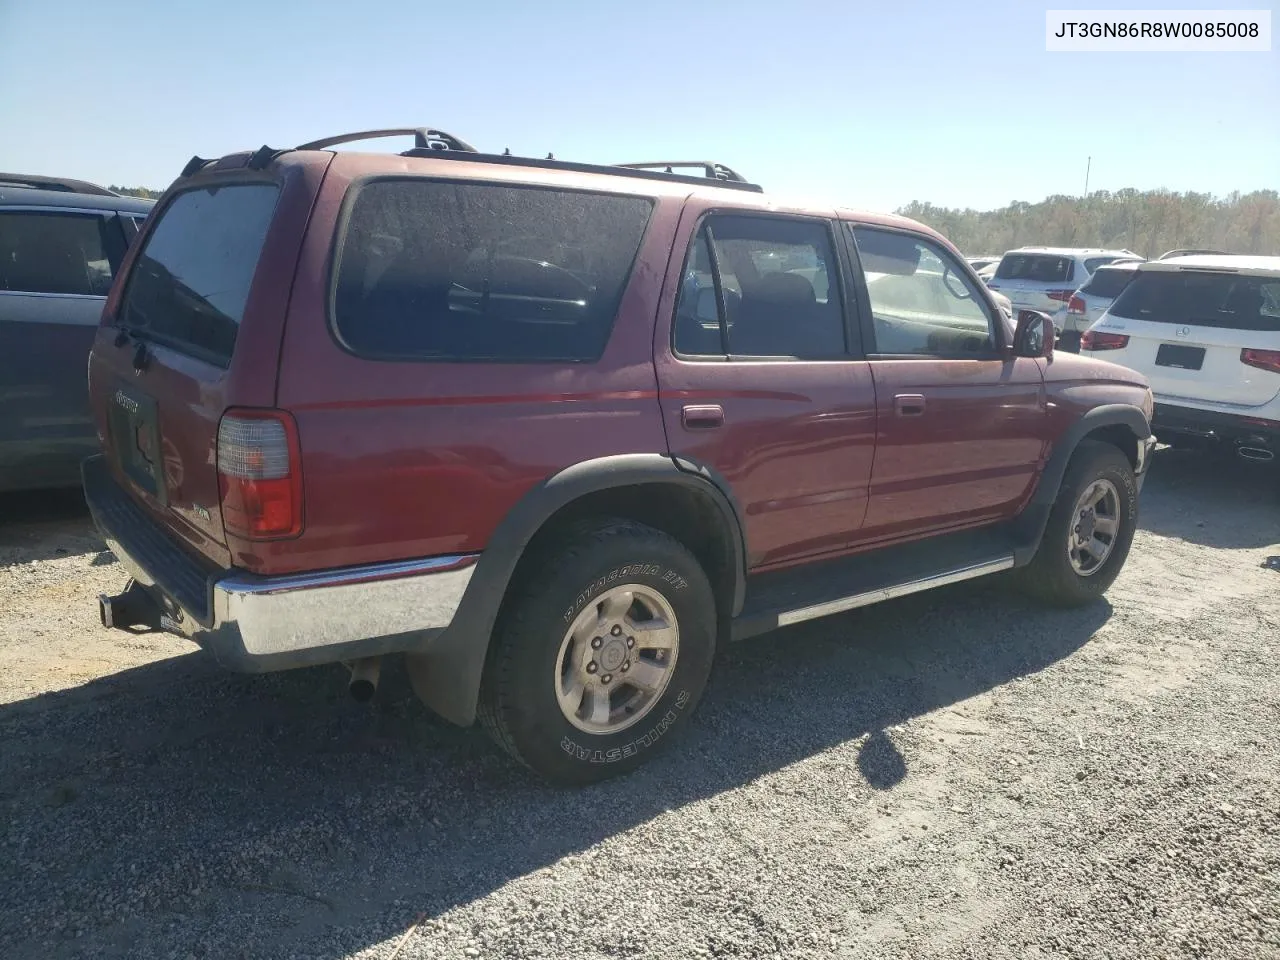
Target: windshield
<point x="1202" y="299"/>
<point x="189" y="286"/>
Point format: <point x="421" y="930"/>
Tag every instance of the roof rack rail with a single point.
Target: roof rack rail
<point x="425" y="138"/>
<point x="613" y="170"/>
<point x="710" y="169"/>
<point x="59" y="184"/>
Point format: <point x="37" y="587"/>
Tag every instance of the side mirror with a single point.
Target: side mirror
<point x="1034" y="334"/>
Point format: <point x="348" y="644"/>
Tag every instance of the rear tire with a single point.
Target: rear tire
<point x="586" y="678"/>
<point x="1090" y="529"/>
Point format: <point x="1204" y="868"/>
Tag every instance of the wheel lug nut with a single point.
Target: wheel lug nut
<point x="597" y="643"/>
<point x="631" y="642"/>
<point x="626" y="665"/>
<point x="591" y="667"/>
<point x="617" y="630"/>
<point x="606" y="678"/>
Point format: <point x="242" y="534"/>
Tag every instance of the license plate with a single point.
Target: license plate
<point x="1180" y="356"/>
<point x="134" y="422"/>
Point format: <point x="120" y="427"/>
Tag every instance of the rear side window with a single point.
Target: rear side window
<point x="190" y="283"/>
<point x="475" y="271"/>
<point x="63" y="253"/>
<point x="1036" y="267"/>
<point x="1093" y="263"/>
<point x="1108" y="283"/>
<point x="1224" y="300"/>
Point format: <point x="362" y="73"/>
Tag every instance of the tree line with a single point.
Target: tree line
<point x="143" y="192"/>
<point x="1148" y="222"/>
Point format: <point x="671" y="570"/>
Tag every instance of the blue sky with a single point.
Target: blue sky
<point x="863" y="104"/>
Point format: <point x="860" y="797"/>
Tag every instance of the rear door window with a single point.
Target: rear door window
<point x="191" y="280"/>
<point x="774" y="276"/>
<point x="1036" y="267"/>
<point x="1108" y="283"/>
<point x="55" y="253"/>
<point x="445" y="270"/>
<point x="1093" y="263"/>
<point x="1202" y="299"/>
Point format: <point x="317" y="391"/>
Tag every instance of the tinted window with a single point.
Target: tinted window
<point x="921" y="301"/>
<point x="1202" y="299"/>
<point x="1036" y="267"/>
<point x="447" y="270"/>
<point x="54" y="253"/>
<point x="189" y="285"/>
<point x="775" y="279"/>
<point x="1093" y="263"/>
<point x="1108" y="282"/>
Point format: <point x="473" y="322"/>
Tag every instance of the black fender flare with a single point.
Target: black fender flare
<point x="1035" y="516"/>
<point x="446" y="671"/>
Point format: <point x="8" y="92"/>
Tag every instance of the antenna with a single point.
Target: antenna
<point x="1087" y="164"/>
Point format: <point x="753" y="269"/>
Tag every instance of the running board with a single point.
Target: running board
<point x="819" y="590"/>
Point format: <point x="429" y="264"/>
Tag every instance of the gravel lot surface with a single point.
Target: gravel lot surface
<point x="959" y="774"/>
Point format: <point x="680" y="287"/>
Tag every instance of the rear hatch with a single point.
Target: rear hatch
<point x="1037" y="281"/>
<point x="193" y="327"/>
<point x="1188" y="329"/>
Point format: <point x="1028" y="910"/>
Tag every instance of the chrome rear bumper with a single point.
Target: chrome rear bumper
<point x="263" y="623"/>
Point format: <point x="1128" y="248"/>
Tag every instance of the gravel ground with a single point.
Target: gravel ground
<point x="955" y="775"/>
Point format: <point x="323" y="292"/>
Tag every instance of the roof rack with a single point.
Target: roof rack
<point x="436" y="144"/>
<point x="59" y="184"/>
<point x="638" y="171"/>
<point x="425" y="138"/>
<point x="711" y="170"/>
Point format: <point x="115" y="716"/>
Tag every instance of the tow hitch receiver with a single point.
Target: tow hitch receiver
<point x="133" y="608"/>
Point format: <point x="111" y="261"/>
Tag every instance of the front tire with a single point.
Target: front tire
<point x="601" y="655"/>
<point x="1090" y="529"/>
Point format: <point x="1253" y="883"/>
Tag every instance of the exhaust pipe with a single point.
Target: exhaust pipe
<point x="364" y="678"/>
<point x="1259" y="454"/>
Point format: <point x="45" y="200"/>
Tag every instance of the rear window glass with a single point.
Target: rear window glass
<point x="1108" y="283"/>
<point x="1037" y="267"/>
<point x="189" y="284"/>
<point x="1202" y="299"/>
<point x="470" y="271"/>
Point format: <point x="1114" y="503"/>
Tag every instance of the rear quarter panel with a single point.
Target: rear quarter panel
<point x="413" y="459"/>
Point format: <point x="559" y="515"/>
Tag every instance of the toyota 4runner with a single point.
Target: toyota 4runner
<point x="553" y="431"/>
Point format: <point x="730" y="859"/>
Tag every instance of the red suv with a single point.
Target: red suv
<point x="553" y="430"/>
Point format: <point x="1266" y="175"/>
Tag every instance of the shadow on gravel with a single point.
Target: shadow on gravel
<point x="175" y="809"/>
<point x="1212" y="498"/>
<point x="44" y="524"/>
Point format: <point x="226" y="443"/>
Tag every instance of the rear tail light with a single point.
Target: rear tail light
<point x="1060" y="295"/>
<point x="1092" y="340"/>
<point x="259" y="474"/>
<point x="1262" y="359"/>
<point x="1075" y="306"/>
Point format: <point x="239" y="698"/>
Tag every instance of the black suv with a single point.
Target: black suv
<point x="61" y="242"/>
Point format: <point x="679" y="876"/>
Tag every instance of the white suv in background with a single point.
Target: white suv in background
<point x="1205" y="330"/>
<point x="1044" y="278"/>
